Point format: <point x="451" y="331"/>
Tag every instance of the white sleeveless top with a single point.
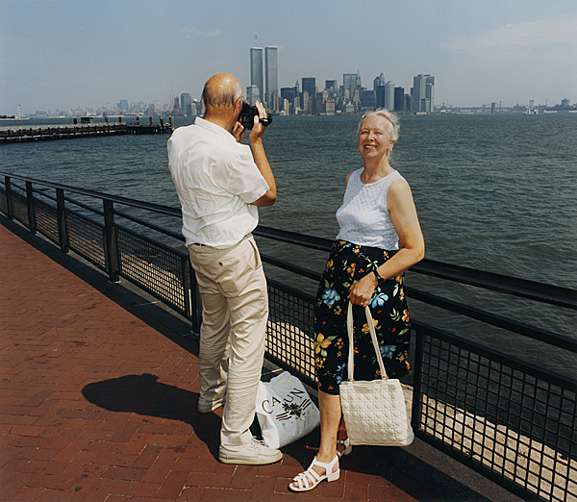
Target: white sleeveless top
<point x="363" y="217"/>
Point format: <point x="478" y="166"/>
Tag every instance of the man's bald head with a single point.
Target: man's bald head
<point x="222" y="90"/>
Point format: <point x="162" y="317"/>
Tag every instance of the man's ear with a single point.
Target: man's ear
<point x="238" y="107"/>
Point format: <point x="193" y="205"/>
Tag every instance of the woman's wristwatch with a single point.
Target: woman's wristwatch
<point x="378" y="276"/>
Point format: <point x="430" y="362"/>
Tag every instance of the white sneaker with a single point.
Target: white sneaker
<point x="209" y="406"/>
<point x="253" y="453"/>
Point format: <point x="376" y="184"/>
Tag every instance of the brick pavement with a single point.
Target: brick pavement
<point x="97" y="405"/>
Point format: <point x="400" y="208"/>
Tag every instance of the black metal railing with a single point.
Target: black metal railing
<point x="511" y="420"/>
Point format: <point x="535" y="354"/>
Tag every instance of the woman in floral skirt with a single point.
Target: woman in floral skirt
<point x="379" y="238"/>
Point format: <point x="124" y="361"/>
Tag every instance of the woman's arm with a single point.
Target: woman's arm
<point x="411" y="243"/>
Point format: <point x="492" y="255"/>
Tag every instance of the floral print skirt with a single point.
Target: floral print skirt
<point x="346" y="264"/>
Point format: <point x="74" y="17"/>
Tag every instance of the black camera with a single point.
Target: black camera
<point x="247" y="115"/>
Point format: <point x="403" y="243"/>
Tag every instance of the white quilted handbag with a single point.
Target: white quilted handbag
<point x="374" y="411"/>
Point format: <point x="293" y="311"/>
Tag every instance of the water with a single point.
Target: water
<point x="493" y="192"/>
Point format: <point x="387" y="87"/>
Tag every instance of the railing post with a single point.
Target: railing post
<point x="8" y="191"/>
<point x="61" y="220"/>
<point x="417" y="383"/>
<point x="111" y="242"/>
<point x="31" y="207"/>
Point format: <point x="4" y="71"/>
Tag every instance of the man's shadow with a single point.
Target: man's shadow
<point x="144" y="395"/>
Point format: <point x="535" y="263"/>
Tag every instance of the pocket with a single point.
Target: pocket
<point x="238" y="266"/>
<point x="256" y="260"/>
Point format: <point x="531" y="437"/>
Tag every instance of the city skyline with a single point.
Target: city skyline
<point x="65" y="54"/>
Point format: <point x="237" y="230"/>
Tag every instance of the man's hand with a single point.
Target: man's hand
<point x="237" y="131"/>
<point x="362" y="291"/>
<point x="257" y="130"/>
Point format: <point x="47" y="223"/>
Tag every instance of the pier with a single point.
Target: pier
<point x="100" y="374"/>
<point x="55" y="132"/>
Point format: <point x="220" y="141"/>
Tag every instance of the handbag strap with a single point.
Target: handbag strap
<point x="350" y="329"/>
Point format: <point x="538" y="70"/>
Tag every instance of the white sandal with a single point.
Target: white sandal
<point x="346" y="444"/>
<point x="309" y="479"/>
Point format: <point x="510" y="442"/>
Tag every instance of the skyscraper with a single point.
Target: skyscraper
<point x="422" y="94"/>
<point x="378" y="81"/>
<point x="351" y="81"/>
<point x="252" y="94"/>
<point x="271" y="80"/>
<point x="186" y="104"/>
<point x="256" y="69"/>
<point x="176" y="107"/>
<point x="390" y="96"/>
<point x="331" y="85"/>
<point x="309" y="87"/>
<point x="430" y="94"/>
<point x="380" y="96"/>
<point x="399" y="99"/>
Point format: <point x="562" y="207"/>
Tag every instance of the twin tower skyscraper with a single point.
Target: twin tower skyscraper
<point x="264" y="76"/>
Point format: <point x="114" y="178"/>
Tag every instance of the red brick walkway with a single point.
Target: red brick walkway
<point x="97" y="405"/>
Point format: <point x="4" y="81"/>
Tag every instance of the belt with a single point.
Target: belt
<point x="198" y="244"/>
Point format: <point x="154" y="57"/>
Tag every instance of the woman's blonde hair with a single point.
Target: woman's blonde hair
<point x="390" y="117"/>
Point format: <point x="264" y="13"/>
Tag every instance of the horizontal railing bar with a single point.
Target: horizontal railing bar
<point x="161" y="245"/>
<point x="304" y="272"/>
<point x="149" y="206"/>
<point x="293" y="291"/>
<point x="499" y="321"/>
<point x="456" y="307"/>
<point x="307" y="241"/>
<point x="545" y="293"/>
<point x="491" y="353"/>
<point x="18" y="187"/>
<point x="44" y="193"/>
<point x="152" y="226"/>
<point x="84" y="206"/>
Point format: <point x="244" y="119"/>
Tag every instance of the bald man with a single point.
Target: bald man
<point x="220" y="182"/>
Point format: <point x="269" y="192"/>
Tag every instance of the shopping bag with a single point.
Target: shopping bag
<point x="285" y="410"/>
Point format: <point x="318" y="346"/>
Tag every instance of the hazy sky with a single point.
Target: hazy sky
<point x="66" y="53"/>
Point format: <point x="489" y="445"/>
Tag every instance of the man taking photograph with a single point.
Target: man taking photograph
<point x="220" y="182"/>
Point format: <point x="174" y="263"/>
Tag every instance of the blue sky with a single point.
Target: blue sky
<point x="64" y="53"/>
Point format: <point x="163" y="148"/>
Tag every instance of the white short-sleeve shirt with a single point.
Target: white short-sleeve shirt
<point x="217" y="181"/>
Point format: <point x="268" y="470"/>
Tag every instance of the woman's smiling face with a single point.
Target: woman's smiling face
<point x="374" y="138"/>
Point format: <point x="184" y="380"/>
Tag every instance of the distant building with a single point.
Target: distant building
<point x="378" y="81"/>
<point x="367" y="98"/>
<point x="309" y="87"/>
<point x="422" y="94"/>
<point x="331" y="86"/>
<point x="330" y="106"/>
<point x="399" y="99"/>
<point x="176" y="107"/>
<point x="252" y="94"/>
<point x="288" y="93"/>
<point x="390" y="96"/>
<point x="351" y="83"/>
<point x="256" y="69"/>
<point x="305" y="102"/>
<point x="380" y="96"/>
<point x="271" y="80"/>
<point x="186" y="104"/>
<point x="123" y="106"/>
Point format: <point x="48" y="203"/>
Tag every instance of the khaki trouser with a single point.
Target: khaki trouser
<point x="232" y="335"/>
